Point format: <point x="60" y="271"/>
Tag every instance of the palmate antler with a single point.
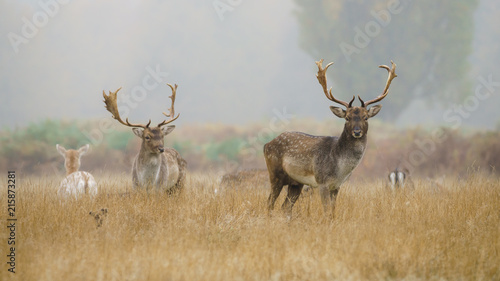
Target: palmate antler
<point x="171" y="110"/>
<point x="392" y="75"/>
<point x="111" y="106"/>
<point x="328" y="93"/>
<point x="322" y="80"/>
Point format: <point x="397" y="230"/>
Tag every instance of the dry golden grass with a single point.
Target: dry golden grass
<point x="428" y="234"/>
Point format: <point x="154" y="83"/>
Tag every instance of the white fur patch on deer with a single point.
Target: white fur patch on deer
<point x="76" y="183"/>
<point x="400" y="179"/>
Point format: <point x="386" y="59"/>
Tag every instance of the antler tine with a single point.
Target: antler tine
<point x="322" y="81"/>
<point x="112" y="107"/>
<point x="171" y="110"/>
<point x="353" y="97"/>
<point x="392" y="75"/>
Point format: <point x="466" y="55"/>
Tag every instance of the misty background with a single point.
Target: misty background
<point x="236" y="61"/>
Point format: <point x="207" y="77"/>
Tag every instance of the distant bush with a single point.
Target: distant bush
<point x="226" y="149"/>
<point x="34" y="145"/>
<point x="32" y="149"/>
<point x="418" y="150"/>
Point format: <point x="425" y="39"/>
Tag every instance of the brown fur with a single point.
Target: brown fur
<point x="72" y="157"/>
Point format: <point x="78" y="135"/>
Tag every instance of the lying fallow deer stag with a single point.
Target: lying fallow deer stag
<point x="76" y="182"/>
<point x="297" y="159"/>
<point x="155" y="166"/>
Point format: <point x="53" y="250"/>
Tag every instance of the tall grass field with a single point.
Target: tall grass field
<point x="449" y="231"/>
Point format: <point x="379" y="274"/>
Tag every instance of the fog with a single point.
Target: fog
<point x="235" y="62"/>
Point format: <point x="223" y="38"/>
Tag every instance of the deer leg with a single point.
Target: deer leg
<point x="333" y="198"/>
<point x="182" y="173"/>
<point x="294" y="191"/>
<point x="276" y="187"/>
<point x="327" y="198"/>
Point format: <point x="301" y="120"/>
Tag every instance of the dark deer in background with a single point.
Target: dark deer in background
<point x="155" y="166"/>
<point x="297" y="159"/>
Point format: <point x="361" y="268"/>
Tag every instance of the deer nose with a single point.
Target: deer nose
<point x="357" y="133"/>
<point x="161" y="149"/>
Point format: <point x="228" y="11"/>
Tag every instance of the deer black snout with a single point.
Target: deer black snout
<point x="357" y="132"/>
<point x="161" y="149"/>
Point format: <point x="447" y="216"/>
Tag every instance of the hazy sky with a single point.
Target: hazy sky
<point x="235" y="60"/>
<point x="226" y="62"/>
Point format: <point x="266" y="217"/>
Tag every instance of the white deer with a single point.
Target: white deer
<point x="76" y="182"/>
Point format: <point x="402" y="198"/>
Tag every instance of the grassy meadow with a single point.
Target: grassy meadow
<point x="447" y="232"/>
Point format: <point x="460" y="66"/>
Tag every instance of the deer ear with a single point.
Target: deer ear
<point x="374" y="110"/>
<point x="84" y="149"/>
<point x="138" y="132"/>
<point x="339" y="112"/>
<point x="61" y="150"/>
<point x="167" y="130"/>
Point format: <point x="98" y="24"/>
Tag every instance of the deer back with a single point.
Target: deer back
<point x="78" y="183"/>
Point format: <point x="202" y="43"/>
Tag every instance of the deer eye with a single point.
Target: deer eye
<point x="347" y="119"/>
<point x="147" y="138"/>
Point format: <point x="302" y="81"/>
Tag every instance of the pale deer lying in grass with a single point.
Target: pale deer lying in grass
<point x="297" y="159"/>
<point x="154" y="166"/>
<point x="76" y="182"/>
<point x="400" y="179"/>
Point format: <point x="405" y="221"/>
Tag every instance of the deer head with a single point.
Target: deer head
<point x="99" y="216"/>
<point x="152" y="137"/>
<point x="72" y="157"/>
<point x="356" y="117"/>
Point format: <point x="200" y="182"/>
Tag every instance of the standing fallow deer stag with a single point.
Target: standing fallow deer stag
<point x="155" y="166"/>
<point x="297" y="159"/>
<point x="76" y="182"/>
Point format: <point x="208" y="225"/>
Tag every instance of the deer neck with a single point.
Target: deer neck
<point x="149" y="159"/>
<point x="350" y="147"/>
<point x="72" y="168"/>
<point x="71" y="171"/>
